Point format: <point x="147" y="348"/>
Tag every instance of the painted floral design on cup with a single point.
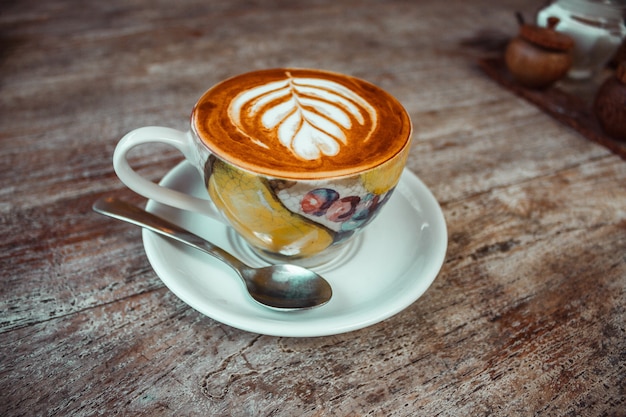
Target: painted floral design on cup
<point x="348" y="213"/>
<point x="341" y="210"/>
<point x="317" y="201"/>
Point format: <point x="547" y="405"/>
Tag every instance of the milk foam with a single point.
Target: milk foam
<point x="301" y="124"/>
<point x="310" y="117"/>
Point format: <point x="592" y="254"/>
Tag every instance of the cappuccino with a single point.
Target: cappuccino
<point x="301" y="124"/>
<point x="296" y="161"/>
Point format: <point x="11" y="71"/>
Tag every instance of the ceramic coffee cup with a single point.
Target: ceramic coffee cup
<point x="296" y="161"/>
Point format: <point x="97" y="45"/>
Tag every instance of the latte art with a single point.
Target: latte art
<point x="310" y="117"/>
<point x="301" y="124"/>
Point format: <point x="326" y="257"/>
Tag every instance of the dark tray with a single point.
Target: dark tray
<point x="572" y="107"/>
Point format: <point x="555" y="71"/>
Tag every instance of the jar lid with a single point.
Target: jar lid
<point x="547" y="37"/>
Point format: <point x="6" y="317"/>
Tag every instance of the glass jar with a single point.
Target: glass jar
<point x="596" y="26"/>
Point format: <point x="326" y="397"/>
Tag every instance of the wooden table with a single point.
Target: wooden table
<point x="527" y="316"/>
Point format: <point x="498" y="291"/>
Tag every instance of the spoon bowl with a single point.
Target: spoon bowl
<point x="282" y="287"/>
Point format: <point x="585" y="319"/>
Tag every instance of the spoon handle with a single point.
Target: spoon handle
<point x="120" y="210"/>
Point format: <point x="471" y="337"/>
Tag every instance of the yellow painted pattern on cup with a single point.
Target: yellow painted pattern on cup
<point x="385" y="177"/>
<point x="255" y="214"/>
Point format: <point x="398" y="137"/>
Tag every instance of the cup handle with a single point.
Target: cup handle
<point x="134" y="181"/>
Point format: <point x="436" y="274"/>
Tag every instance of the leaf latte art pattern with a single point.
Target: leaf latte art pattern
<point x="312" y="117"/>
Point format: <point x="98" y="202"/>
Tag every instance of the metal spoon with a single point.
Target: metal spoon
<point x="285" y="287"/>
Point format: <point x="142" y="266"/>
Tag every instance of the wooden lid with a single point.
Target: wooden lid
<point x="547" y="37"/>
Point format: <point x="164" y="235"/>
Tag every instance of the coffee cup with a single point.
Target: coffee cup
<point x="296" y="161"/>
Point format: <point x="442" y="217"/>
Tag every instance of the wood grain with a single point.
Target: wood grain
<point x="527" y="316"/>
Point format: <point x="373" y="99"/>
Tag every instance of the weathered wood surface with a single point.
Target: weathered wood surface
<point x="527" y="316"/>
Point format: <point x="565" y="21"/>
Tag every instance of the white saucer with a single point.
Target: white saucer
<point x="390" y="266"/>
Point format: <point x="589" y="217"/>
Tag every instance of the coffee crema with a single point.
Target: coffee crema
<point x="301" y="124"/>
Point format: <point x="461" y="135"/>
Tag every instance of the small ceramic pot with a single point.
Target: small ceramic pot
<point x="538" y="56"/>
<point x="597" y="28"/>
<point x="610" y="104"/>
